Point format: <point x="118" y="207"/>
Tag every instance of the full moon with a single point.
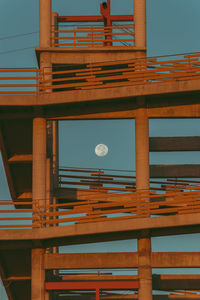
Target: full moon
<point x="101" y="150"/>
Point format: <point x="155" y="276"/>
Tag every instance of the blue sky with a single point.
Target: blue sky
<point x="172" y="27"/>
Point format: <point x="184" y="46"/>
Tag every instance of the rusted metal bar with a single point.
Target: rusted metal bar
<point x="92" y="285"/>
<point x="71" y="19"/>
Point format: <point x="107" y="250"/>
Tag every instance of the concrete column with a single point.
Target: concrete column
<point x="48" y="189"/>
<point x="39" y="161"/>
<point x="55" y="167"/>
<point x="140" y="23"/>
<point x="142" y="146"/>
<point x="38" y="275"/>
<point x="55" y="152"/>
<point x="144" y="269"/>
<point x="142" y="185"/>
<point x="45" y="23"/>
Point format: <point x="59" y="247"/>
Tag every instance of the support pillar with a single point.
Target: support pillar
<point x="39" y="162"/>
<point x="142" y="185"/>
<point x="142" y="145"/>
<point x="144" y="268"/>
<point x="38" y="275"/>
<point x="55" y="151"/>
<point x="45" y="23"/>
<point x="140" y="23"/>
<point x="45" y="19"/>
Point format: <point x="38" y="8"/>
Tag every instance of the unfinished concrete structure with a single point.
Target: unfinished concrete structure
<point x="110" y="78"/>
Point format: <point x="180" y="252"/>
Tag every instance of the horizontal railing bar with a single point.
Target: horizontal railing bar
<point x="92" y="28"/>
<point x="18" y="85"/>
<point x="18" y="78"/>
<point x="18" y="92"/>
<point x="82" y="170"/>
<point x="24" y="70"/>
<point x="80" y="39"/>
<point x="76" y="71"/>
<point x="71" y="85"/>
<point x="16" y="211"/>
<point x="18" y="218"/>
<point x="94" y="36"/>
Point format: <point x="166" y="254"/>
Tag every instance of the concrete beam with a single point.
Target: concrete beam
<point x="176" y="282"/>
<point x="120" y="260"/>
<point x="172" y="171"/>
<point x="120" y="92"/>
<point x="21" y="158"/>
<point x="189" y="143"/>
<point x="87" y="55"/>
<point x="175" y="260"/>
<point x="78" y="96"/>
<point x="90" y="260"/>
<point x="102" y="231"/>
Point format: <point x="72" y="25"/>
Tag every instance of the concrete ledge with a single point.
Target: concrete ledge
<point x="172" y="87"/>
<point x="102" y="228"/>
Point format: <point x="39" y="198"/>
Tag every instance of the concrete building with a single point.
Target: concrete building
<point x="97" y="71"/>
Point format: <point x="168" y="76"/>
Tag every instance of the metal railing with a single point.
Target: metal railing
<point x="93" y="36"/>
<point x="143" y="71"/>
<point x="95" y="195"/>
<point x="19" y="81"/>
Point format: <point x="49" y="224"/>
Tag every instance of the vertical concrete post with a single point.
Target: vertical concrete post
<point x="142" y="185"/>
<point x="45" y="23"/>
<point x="140" y="23"/>
<point x="142" y="145"/>
<point x="45" y="42"/>
<point x="38" y="275"/>
<point x="48" y="190"/>
<point x="39" y="162"/>
<point x="144" y="268"/>
<point x="55" y="152"/>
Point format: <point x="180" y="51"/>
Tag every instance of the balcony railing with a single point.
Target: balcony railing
<point x="93" y="36"/>
<point x="63" y="78"/>
<point x="19" y="81"/>
<point x="122" y="73"/>
<point x="86" y="196"/>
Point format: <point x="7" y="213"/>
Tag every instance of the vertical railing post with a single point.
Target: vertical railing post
<point x="54" y="27"/>
<point x="92" y="29"/>
<point x="37" y="83"/>
<point x="74" y="30"/>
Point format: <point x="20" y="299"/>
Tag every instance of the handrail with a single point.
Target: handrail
<point x="96" y="205"/>
<point x="93" y="35"/>
<point x="100" y="75"/>
<point x="102" y="195"/>
<point x="19" y="81"/>
<point x="122" y="73"/>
